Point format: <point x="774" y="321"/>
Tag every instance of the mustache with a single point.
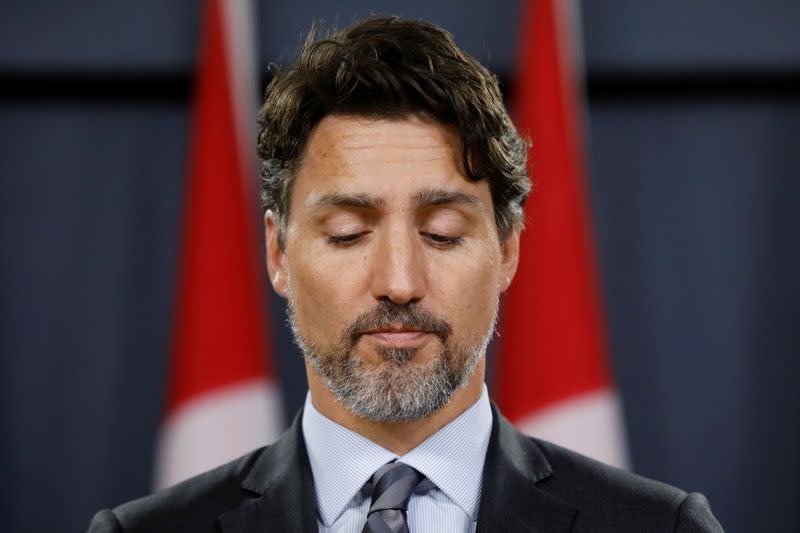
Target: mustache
<point x="389" y="314"/>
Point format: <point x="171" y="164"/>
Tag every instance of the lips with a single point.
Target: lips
<point x="397" y="337"/>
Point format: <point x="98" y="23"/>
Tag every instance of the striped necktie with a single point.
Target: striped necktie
<point x="392" y="485"/>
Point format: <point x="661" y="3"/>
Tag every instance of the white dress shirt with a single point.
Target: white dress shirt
<point x="451" y="459"/>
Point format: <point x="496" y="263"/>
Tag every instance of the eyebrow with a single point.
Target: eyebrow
<point x="434" y="197"/>
<point x="426" y="198"/>
<point x="346" y="200"/>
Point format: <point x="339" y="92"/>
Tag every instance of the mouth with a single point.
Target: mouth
<point x="397" y="337"/>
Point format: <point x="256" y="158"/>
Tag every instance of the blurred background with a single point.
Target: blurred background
<point x="692" y="128"/>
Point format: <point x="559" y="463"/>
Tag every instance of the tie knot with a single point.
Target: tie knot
<point x="392" y="485"/>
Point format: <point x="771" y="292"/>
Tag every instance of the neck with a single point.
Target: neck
<point x="397" y="437"/>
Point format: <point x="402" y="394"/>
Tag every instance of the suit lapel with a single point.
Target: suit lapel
<point x="281" y="483"/>
<point x="513" y="496"/>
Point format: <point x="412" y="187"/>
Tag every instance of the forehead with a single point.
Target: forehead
<point x="353" y="136"/>
<point x="394" y="159"/>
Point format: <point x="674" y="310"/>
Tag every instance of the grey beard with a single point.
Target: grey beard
<point x="396" y="389"/>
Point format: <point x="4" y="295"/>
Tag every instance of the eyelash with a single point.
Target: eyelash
<point x="344" y="240"/>
<point x="443" y="241"/>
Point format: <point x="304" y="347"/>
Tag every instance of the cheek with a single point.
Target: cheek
<point x="468" y="291"/>
<point x="323" y="293"/>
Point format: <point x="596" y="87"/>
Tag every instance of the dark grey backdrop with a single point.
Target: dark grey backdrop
<point x="694" y="118"/>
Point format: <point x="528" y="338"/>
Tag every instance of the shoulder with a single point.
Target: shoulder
<point x="190" y="506"/>
<point x="575" y="474"/>
<point x="621" y="500"/>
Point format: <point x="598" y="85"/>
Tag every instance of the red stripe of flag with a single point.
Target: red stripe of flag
<point x="220" y="335"/>
<point x="552" y="343"/>
<point x="220" y="402"/>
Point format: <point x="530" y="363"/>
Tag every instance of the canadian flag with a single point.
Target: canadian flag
<point x="222" y="399"/>
<point x="553" y="378"/>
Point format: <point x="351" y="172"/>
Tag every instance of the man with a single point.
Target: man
<point x="394" y="183"/>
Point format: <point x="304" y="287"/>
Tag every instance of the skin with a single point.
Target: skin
<point x="382" y="209"/>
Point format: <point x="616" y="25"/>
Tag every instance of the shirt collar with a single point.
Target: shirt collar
<point x="452" y="458"/>
<point x="336" y="481"/>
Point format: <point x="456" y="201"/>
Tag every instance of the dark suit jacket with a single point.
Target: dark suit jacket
<point x="528" y="485"/>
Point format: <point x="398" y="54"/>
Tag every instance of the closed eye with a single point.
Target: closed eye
<point x="345" y="239"/>
<point x="442" y="240"/>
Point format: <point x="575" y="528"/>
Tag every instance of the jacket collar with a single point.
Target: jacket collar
<point x="512" y="499"/>
<point x="281" y="482"/>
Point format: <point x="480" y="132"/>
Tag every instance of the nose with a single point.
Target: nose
<point x="398" y="267"/>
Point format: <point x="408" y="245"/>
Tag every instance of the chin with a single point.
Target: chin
<point x="403" y="387"/>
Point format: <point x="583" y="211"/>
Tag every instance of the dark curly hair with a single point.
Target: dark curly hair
<point x="385" y="67"/>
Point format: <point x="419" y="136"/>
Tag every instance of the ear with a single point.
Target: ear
<point x="276" y="258"/>
<point x="509" y="259"/>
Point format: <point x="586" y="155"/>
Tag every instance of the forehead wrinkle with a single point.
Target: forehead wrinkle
<point x="381" y="140"/>
<point x="390" y="152"/>
<point x="376" y="136"/>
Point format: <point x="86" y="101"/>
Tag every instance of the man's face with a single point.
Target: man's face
<point x="392" y="264"/>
